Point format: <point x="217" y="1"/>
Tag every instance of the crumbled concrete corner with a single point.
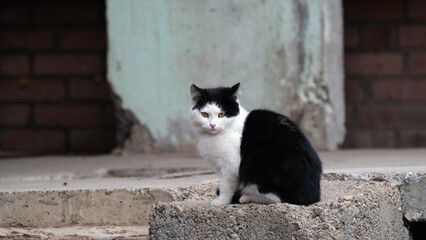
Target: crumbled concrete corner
<point x="414" y="199"/>
<point x="412" y="186"/>
<point x="371" y="211"/>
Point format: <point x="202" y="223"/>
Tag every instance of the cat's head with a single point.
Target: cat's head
<point x="214" y="109"/>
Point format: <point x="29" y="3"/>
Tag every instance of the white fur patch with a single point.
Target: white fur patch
<point x="220" y="146"/>
<point x="251" y="194"/>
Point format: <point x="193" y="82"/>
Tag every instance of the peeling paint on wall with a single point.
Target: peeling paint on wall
<point x="276" y="49"/>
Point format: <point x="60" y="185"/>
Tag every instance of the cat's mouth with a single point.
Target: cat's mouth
<point x="213" y="130"/>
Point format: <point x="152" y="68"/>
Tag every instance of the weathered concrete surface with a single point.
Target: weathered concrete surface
<point x="85" y="207"/>
<point x="414" y="199"/>
<point x="20" y="183"/>
<point x="348" y="210"/>
<point x="398" y="178"/>
<point x="22" y="171"/>
<point x="77" y="233"/>
<point x="91" y="206"/>
<point x="48" y="168"/>
<point x="412" y="186"/>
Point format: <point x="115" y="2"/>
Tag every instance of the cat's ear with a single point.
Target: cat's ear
<point x="235" y="89"/>
<point x="195" y="91"/>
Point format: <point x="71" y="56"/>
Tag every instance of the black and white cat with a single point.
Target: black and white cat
<point x="261" y="156"/>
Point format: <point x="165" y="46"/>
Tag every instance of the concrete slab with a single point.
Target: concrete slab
<point x="78" y="233"/>
<point x="89" y="167"/>
<point x="348" y="210"/>
<point x="91" y="207"/>
<point x="63" y="191"/>
<point x="101" y="183"/>
<point x="374" y="160"/>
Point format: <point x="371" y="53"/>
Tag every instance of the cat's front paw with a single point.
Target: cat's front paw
<point x="218" y="202"/>
<point x="245" y="199"/>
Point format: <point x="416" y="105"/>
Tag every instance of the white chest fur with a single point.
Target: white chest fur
<point x="222" y="151"/>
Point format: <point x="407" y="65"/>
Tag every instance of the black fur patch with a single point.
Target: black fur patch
<point x="278" y="158"/>
<point x="224" y="97"/>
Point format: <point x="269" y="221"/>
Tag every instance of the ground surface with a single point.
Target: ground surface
<point x="36" y="172"/>
<point x="98" y="176"/>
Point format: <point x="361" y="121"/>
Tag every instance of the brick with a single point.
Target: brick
<point x="412" y="36"/>
<point x="32" y="140"/>
<point x="70" y="12"/>
<point x="377" y="36"/>
<point x="391" y="117"/>
<point x="373" y="9"/>
<point x="14" y="115"/>
<point x="349" y="110"/>
<point x="39" y="90"/>
<point x="353" y="92"/>
<point x="417" y="63"/>
<point x="369" y="139"/>
<point x="92" y="140"/>
<point x="413" y="138"/>
<point x="351" y="36"/>
<point x="14" y="65"/>
<point x="415" y="90"/>
<point x="373" y="63"/>
<point x="68" y="115"/>
<point x="69" y="64"/>
<point x="416" y="9"/>
<point x="83" y="39"/>
<point x="26" y="40"/>
<point x="89" y="88"/>
<point x="388" y="90"/>
<point x="110" y="115"/>
<point x="399" y="90"/>
<point x="13" y="13"/>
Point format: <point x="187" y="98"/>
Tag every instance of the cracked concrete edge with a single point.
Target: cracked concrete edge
<point x="77" y="232"/>
<point x="414" y="199"/>
<point x="349" y="209"/>
<point x="132" y="206"/>
<point x="397" y="178"/>
<point x="86" y="207"/>
<point x="412" y="186"/>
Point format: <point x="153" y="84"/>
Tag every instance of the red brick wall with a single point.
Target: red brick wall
<point x="385" y="65"/>
<point x="54" y="97"/>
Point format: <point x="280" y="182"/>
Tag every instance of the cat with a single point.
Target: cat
<point x="260" y="156"/>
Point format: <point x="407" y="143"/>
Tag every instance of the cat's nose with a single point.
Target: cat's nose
<point x="212" y="125"/>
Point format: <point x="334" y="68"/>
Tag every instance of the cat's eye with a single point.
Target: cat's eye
<point x="204" y="114"/>
<point x="221" y="115"/>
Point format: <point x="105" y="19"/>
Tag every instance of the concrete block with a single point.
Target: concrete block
<point x="77" y="207"/>
<point x="77" y="232"/>
<point x="412" y="186"/>
<point x="348" y="210"/>
<point x="91" y="207"/>
<point x="414" y="199"/>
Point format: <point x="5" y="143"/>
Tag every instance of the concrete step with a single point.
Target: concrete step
<point x="77" y="233"/>
<point x="127" y="202"/>
<point x="93" y="203"/>
<point x="348" y="210"/>
<point x="63" y="193"/>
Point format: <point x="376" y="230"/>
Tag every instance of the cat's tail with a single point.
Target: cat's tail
<point x="236" y="197"/>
